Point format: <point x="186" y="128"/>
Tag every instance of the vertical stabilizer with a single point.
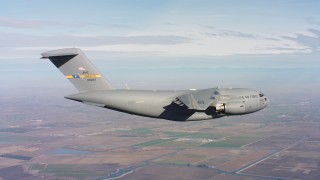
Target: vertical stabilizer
<point x="77" y="68"/>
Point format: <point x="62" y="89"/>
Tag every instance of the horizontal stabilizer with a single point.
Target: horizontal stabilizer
<point x="61" y="52"/>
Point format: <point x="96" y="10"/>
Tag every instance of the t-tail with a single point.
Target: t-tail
<point x="77" y="68"/>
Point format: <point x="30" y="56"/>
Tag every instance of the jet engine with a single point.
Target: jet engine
<point x="234" y="107"/>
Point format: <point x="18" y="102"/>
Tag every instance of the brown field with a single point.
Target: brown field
<point x="207" y="152"/>
<point x="5" y="162"/>
<point x="181" y="159"/>
<point x="243" y="160"/>
<point x="122" y="157"/>
<point x="232" y="177"/>
<point x="270" y="144"/>
<point x="171" y="173"/>
<point x="289" y="164"/>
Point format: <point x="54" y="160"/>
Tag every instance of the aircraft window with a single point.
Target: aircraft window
<point x="261" y="94"/>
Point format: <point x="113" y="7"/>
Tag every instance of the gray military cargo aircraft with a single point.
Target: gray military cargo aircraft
<point x="183" y="105"/>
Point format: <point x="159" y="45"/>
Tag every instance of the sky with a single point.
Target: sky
<point x="164" y="35"/>
<point x="180" y="28"/>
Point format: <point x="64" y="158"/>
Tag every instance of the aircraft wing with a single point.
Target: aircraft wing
<point x="198" y="99"/>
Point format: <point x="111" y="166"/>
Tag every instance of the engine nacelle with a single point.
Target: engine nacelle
<point x="235" y="107"/>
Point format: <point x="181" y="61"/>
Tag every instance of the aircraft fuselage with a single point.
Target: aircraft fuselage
<point x="159" y="104"/>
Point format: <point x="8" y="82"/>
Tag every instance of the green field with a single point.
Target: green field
<point x="153" y="142"/>
<point x="67" y="170"/>
<point x="252" y="136"/>
<point x="138" y="131"/>
<point x="180" y="144"/>
<point x="175" y="135"/>
<point x="192" y="135"/>
<point x="16" y="139"/>
<point x="81" y="175"/>
<point x="169" y="143"/>
<point x="229" y="143"/>
<point x="37" y="167"/>
<point x="16" y="130"/>
<point x="2" y="134"/>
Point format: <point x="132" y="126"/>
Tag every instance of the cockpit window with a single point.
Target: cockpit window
<point x="261" y="94"/>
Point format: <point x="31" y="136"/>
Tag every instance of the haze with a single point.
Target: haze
<point x="272" y="46"/>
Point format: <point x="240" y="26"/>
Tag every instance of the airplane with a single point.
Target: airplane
<point x="180" y="105"/>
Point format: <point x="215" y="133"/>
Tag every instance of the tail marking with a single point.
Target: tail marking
<point x="84" y="76"/>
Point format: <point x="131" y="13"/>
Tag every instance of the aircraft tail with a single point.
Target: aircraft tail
<point x="76" y="67"/>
